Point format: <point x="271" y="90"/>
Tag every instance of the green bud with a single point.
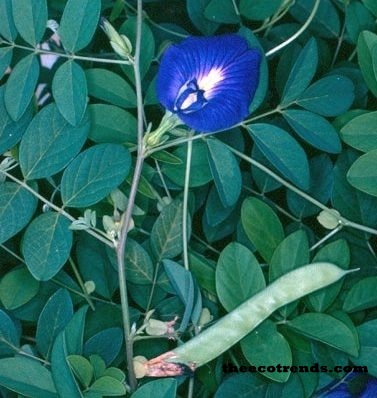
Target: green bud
<point x="120" y="43"/>
<point x="329" y="219"/>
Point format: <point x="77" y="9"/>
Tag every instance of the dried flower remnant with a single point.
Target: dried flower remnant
<point x="209" y="82"/>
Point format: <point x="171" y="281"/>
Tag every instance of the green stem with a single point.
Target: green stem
<point x="69" y="56"/>
<point x="56" y="208"/>
<point x="131" y="201"/>
<point x="278" y="109"/>
<point x="298" y="33"/>
<point x="12" y="253"/>
<point x="21" y="352"/>
<point x="275" y="18"/>
<point x="236" y="10"/>
<point x="81" y="283"/>
<point x="185" y="205"/>
<point x="344" y="221"/>
<point x="326" y="237"/>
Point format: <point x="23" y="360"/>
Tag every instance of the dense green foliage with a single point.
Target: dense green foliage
<point x="214" y="221"/>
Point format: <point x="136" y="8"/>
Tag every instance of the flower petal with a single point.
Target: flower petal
<point x="370" y="390"/>
<point x="223" y="67"/>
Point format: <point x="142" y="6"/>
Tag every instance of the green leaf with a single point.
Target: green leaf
<point x="326" y="329"/>
<point x="195" y="11"/>
<point x="263" y="181"/>
<point x="204" y="271"/>
<point x="330" y="96"/>
<point x="50" y="143"/>
<point x="301" y="73"/>
<point x="108" y="386"/>
<point x="17" y="206"/>
<point x="53" y="319"/>
<point x="265" y="345"/>
<point x="291" y="253"/>
<point x="50" y="233"/>
<point x="70" y="91"/>
<point x="166" y="235"/>
<point x="321" y="185"/>
<point x="199" y="163"/>
<point x="293" y="387"/>
<point x="95" y="265"/>
<point x="360" y="132"/>
<point x="27" y="377"/>
<point x="115" y="373"/>
<point x="221" y="11"/>
<point x="371" y="5"/>
<point x="65" y="383"/>
<point x="139" y="266"/>
<point x="283" y="151"/>
<point x="215" y="212"/>
<point x="7" y="28"/>
<point x="337" y="253"/>
<point x="225" y="171"/>
<point x="98" y="364"/>
<point x="6" y="54"/>
<point x="82" y="368"/>
<point x="78" y="23"/>
<point x="261" y="92"/>
<point x="183" y="285"/>
<point x="94" y="174"/>
<point x="163" y="388"/>
<point x="110" y="124"/>
<point x="107" y="344"/>
<point x="246" y="385"/>
<point x="11" y="131"/>
<point x="368" y="347"/>
<point x="326" y="22"/>
<point x="314" y="129"/>
<point x="262" y="226"/>
<point x="238" y="276"/>
<point x="367" y="58"/>
<point x="259" y="10"/>
<point x="74" y="331"/>
<point x="147" y="46"/>
<point x="362" y="295"/>
<point x="166" y="157"/>
<point x="363" y="173"/>
<point x="358" y="18"/>
<point x="110" y="87"/>
<point x="20" y="86"/>
<point x="30" y="18"/>
<point x="9" y="335"/>
<point x="17" y="288"/>
<point x="358" y="206"/>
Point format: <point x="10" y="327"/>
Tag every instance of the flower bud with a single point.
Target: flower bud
<point x="120" y="43"/>
<point x="329" y="219"/>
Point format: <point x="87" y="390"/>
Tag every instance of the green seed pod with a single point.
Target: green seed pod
<point x="242" y="320"/>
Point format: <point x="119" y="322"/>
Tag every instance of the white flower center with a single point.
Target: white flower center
<point x="208" y="82"/>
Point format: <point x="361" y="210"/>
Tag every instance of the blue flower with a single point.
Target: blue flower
<point x="369" y="390"/>
<point x="209" y="82"/>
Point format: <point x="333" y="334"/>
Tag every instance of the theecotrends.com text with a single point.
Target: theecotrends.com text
<point x="315" y="368"/>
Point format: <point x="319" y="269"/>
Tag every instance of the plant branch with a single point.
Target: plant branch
<point x="185" y="205"/>
<point x="37" y="50"/>
<point x="131" y="201"/>
<point x="298" y="33"/>
<point x="81" y="283"/>
<point x="344" y="221"/>
<point x="55" y="207"/>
